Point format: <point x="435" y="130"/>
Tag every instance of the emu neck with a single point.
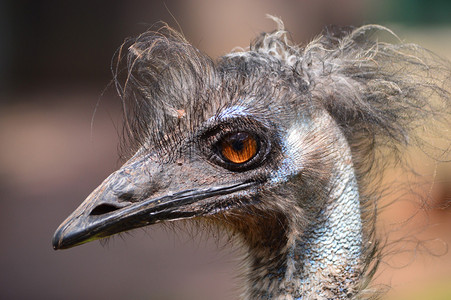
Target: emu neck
<point x="325" y="261"/>
<point x="322" y="260"/>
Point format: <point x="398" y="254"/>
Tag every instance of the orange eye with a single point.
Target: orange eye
<point x="238" y="147"/>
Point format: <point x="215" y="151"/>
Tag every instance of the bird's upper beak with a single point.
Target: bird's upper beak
<point x="132" y="197"/>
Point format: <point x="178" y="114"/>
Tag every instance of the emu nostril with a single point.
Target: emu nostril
<point x="103" y="209"/>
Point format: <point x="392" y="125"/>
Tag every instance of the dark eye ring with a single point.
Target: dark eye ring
<point x="239" y="151"/>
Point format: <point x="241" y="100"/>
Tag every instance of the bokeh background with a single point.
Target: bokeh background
<point x="59" y="134"/>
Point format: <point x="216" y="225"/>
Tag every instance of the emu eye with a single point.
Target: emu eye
<point x="239" y="147"/>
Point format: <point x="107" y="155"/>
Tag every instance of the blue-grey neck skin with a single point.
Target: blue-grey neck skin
<point x="326" y="260"/>
<point x="323" y="260"/>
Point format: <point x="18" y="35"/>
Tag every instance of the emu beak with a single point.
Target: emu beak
<point x="111" y="209"/>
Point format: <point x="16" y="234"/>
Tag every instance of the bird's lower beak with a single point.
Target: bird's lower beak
<point x="103" y="213"/>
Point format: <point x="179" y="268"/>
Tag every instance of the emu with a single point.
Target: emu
<point x="277" y="143"/>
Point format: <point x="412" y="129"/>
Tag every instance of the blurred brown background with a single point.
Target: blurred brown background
<point x="54" y="66"/>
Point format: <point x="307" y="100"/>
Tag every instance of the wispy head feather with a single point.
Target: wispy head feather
<point x="378" y="90"/>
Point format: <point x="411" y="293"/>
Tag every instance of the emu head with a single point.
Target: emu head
<point x="273" y="143"/>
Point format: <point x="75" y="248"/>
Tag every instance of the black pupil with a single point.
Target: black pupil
<point x="237" y="141"/>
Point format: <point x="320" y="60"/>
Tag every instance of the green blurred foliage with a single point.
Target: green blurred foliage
<point x="415" y="12"/>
